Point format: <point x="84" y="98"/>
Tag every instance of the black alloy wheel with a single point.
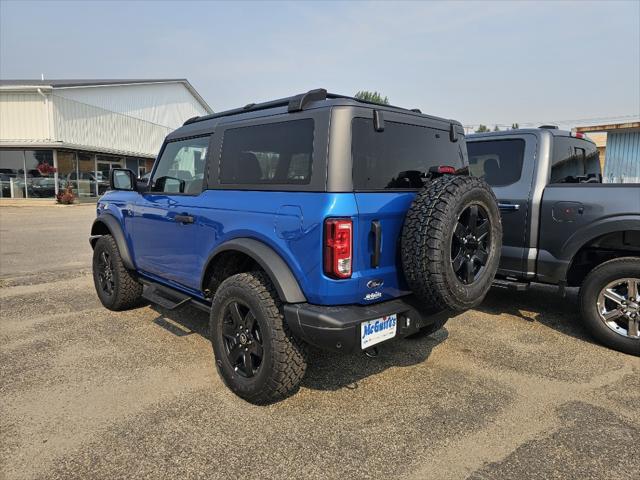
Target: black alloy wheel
<point x="470" y="244"/>
<point x="105" y="273"/>
<point x="243" y="341"/>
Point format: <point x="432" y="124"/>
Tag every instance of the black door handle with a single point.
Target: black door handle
<point x="376" y="229"/>
<point x="183" y="218"/>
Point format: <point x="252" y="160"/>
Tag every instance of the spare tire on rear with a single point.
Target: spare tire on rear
<point x="451" y="242"/>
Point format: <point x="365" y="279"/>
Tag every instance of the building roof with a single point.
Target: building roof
<point x="628" y="126"/>
<point x="74" y="83"/>
<point x="89" y="83"/>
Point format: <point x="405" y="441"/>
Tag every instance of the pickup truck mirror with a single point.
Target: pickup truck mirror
<point x="122" y="179"/>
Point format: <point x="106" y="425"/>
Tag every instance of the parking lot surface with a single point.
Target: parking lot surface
<point x="513" y="389"/>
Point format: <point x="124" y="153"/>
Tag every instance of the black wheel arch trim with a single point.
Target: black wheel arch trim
<point x="555" y="269"/>
<point x="113" y="226"/>
<point x="279" y="272"/>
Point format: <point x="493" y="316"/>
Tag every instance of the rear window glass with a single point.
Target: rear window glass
<point x="398" y="157"/>
<point x="574" y="161"/>
<point x="498" y="162"/>
<point x="275" y="153"/>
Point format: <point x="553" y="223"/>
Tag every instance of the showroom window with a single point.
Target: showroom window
<point x="27" y="174"/>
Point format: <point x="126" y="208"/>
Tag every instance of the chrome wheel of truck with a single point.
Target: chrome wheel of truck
<point x="619" y="306"/>
<point x="610" y="305"/>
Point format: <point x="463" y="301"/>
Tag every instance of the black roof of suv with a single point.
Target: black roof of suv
<point x="318" y="98"/>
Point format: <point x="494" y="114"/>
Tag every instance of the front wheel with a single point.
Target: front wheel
<point x="610" y="304"/>
<point x="256" y="355"/>
<point x="117" y="287"/>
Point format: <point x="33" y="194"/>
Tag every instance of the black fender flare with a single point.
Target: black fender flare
<point x="112" y="224"/>
<point x="279" y="272"/>
<point x="553" y="269"/>
<point x="597" y="229"/>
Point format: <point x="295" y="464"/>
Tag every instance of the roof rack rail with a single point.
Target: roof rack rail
<point x="298" y="102"/>
<point x="293" y="104"/>
<point x="549" y="127"/>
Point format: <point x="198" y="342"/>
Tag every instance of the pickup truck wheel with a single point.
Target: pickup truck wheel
<point x="610" y="304"/>
<point x="256" y="355"/>
<point x="451" y="242"/>
<point x="117" y="287"/>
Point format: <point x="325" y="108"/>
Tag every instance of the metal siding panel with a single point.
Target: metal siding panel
<point x="623" y="157"/>
<point x="167" y="104"/>
<point x="101" y="130"/>
<point x="23" y="117"/>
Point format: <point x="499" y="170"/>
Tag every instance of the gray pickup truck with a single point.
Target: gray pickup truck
<point x="563" y="226"/>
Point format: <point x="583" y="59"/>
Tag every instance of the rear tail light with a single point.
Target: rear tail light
<point x="338" y="240"/>
<point x="442" y="170"/>
<point x="446" y="169"/>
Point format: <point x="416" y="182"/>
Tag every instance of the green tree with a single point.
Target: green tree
<point x="482" y="128"/>
<point x="515" y="126"/>
<point x="496" y="129"/>
<point x="373" y="97"/>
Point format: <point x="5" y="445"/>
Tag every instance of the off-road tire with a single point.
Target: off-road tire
<point x="127" y="291"/>
<point x="595" y="281"/>
<point x="283" y="364"/>
<point x="427" y="236"/>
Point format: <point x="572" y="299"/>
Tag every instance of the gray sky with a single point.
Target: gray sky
<point x="490" y="62"/>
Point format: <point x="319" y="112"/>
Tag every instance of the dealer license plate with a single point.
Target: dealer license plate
<point x="378" y="330"/>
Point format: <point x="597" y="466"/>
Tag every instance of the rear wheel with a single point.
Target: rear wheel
<point x="451" y="243"/>
<point x="256" y="355"/>
<point x="610" y="304"/>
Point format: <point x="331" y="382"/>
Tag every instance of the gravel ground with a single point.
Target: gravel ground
<point x="514" y="389"/>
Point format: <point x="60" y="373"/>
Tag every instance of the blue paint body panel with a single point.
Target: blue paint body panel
<point x="291" y="223"/>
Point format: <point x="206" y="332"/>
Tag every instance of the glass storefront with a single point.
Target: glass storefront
<point x="43" y="173"/>
<point x="27" y="174"/>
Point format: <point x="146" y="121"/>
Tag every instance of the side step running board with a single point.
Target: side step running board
<point x="168" y="298"/>
<point x="511" y="285"/>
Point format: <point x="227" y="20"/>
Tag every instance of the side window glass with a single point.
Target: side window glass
<point x="181" y="167"/>
<point x="270" y="154"/>
<point x="572" y="163"/>
<point x="498" y="162"/>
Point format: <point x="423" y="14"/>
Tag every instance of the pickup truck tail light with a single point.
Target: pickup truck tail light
<point x="338" y="247"/>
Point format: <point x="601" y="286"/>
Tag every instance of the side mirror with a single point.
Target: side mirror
<point x="143" y="184"/>
<point x="122" y="179"/>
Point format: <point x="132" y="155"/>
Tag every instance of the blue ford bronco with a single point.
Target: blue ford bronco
<point x="317" y="219"/>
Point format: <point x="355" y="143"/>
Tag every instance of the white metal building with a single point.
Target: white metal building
<point x="55" y="133"/>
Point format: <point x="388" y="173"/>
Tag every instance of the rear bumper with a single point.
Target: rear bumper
<point x="338" y="327"/>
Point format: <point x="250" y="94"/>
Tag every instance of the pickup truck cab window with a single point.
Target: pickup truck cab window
<point x="572" y="159"/>
<point x="181" y="167"/>
<point x="498" y="162"/>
